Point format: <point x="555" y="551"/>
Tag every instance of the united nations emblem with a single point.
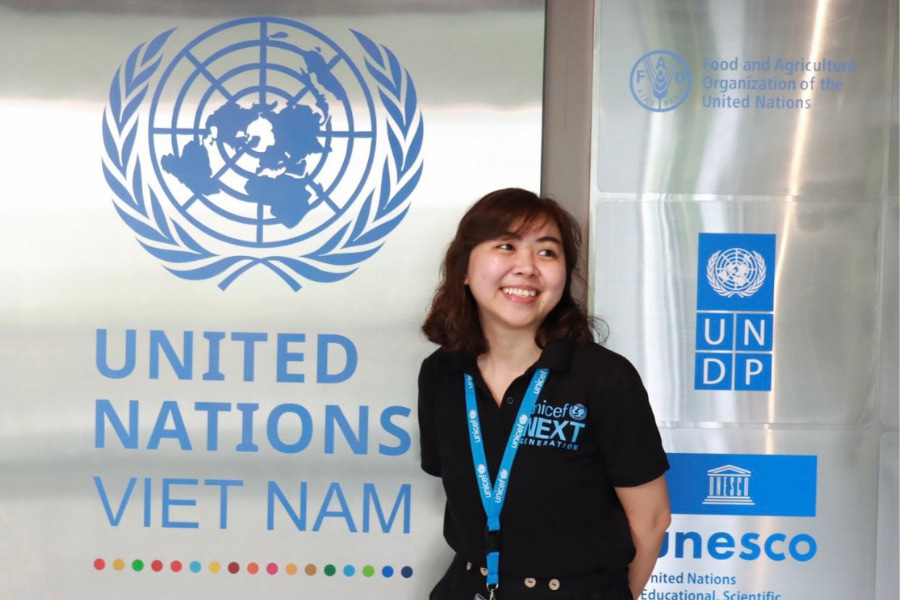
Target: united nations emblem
<point x="660" y="81"/>
<point x="736" y="272"/>
<point x="262" y="142"/>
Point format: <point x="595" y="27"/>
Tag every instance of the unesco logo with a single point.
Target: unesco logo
<point x="660" y="81"/>
<point x="262" y="142"/>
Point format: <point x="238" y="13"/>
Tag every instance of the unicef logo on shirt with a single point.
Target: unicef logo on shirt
<point x="736" y="272"/>
<point x="660" y="81"/>
<point x="578" y="412"/>
<point x="262" y="142"/>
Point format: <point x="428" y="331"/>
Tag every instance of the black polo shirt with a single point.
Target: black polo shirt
<point x="592" y="429"/>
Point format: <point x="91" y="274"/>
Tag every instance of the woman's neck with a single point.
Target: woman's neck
<point x="505" y="360"/>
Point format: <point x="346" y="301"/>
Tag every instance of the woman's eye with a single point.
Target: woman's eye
<point x="547" y="252"/>
<point x="505" y="246"/>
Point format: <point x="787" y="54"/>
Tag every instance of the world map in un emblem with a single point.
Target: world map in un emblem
<point x="736" y="272"/>
<point x="262" y="142"/>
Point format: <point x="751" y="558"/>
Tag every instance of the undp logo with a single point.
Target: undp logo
<point x="262" y="142"/>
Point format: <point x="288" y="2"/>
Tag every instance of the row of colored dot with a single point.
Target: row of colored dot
<point x="176" y="566"/>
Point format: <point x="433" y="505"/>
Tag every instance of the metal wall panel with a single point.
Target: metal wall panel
<point x="743" y="124"/>
<point x="816" y="380"/>
<point x="71" y="265"/>
<point x="835" y="148"/>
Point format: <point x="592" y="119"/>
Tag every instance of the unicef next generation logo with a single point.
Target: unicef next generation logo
<point x="262" y="142"/>
<point x="660" y="81"/>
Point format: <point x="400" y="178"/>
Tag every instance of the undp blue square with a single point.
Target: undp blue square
<point x="715" y="331"/>
<point x="736" y="272"/>
<point x="753" y="372"/>
<point x="713" y="370"/>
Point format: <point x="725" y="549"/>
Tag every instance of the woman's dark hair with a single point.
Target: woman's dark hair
<point x="453" y="320"/>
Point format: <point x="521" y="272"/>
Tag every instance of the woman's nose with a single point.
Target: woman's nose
<point x="524" y="263"/>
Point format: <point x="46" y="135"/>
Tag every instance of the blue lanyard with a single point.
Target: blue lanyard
<point x="492" y="496"/>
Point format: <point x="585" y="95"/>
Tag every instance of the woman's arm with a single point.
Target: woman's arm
<point x="647" y="509"/>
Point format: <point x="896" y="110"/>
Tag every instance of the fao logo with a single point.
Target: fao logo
<point x="262" y="143"/>
<point x="660" y="81"/>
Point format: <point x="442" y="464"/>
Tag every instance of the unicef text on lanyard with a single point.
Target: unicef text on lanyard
<point x="492" y="496"/>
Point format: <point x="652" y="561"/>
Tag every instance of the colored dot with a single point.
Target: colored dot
<point x="233" y="567"/>
<point x="290" y="569"/>
<point x="118" y="564"/>
<point x="175" y="566"/>
<point x="138" y="565"/>
<point x="310" y="569"/>
<point x="368" y="570"/>
<point x="215" y="567"/>
<point x="349" y="571"/>
<point x="406" y="572"/>
<point x="252" y="568"/>
<point x="195" y="566"/>
<point x="271" y="568"/>
<point x="387" y="571"/>
<point x="157" y="566"/>
<point x="329" y="570"/>
<point x="99" y="564"/>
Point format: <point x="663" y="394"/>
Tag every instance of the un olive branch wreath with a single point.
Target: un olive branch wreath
<point x="383" y="209"/>
<point x="723" y="291"/>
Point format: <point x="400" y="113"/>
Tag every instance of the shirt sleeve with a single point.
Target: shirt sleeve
<point x="430" y="457"/>
<point x="629" y="438"/>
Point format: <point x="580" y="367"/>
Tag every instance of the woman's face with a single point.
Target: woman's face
<point x="517" y="279"/>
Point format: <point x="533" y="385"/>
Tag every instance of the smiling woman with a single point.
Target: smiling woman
<point x="519" y="380"/>
<point x="517" y="279"/>
<point x="502" y="218"/>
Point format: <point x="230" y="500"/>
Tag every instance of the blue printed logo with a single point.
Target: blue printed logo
<point x="742" y="484"/>
<point x="262" y="142"/>
<point x="736" y="271"/>
<point x="578" y="412"/>
<point x="660" y="81"/>
<point x="555" y="426"/>
<point x="735" y="318"/>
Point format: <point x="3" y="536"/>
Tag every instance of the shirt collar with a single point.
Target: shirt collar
<point x="556" y="356"/>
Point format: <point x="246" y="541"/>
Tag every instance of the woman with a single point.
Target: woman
<point x="518" y="381"/>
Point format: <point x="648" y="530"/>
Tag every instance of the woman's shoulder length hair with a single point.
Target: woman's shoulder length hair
<point x="453" y="320"/>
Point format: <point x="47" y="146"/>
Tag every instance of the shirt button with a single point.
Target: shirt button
<point x="509" y="400"/>
<point x="530" y="582"/>
<point x="553" y="584"/>
<point x="483" y="572"/>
